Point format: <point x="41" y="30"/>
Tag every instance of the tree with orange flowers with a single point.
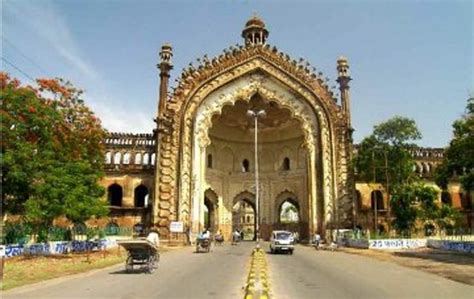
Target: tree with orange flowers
<point x="52" y="152"/>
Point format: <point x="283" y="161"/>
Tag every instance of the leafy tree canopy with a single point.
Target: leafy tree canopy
<point x="398" y="131"/>
<point x="52" y="152"/>
<point x="386" y="153"/>
<point x="416" y="202"/>
<point x="459" y="156"/>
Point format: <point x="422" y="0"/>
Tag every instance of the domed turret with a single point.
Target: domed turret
<point x="255" y="32"/>
<point x="343" y="79"/>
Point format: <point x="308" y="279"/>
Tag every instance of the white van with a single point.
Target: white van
<point x="282" y="240"/>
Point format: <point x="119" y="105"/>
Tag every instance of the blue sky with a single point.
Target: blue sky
<point x="410" y="58"/>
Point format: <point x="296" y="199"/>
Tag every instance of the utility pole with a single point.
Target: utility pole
<point x="256" y="115"/>
<point x="387" y="186"/>
<point x="374" y="198"/>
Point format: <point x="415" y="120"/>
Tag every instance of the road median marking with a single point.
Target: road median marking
<point x="257" y="286"/>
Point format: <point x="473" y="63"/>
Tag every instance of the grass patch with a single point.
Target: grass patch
<point x="23" y="270"/>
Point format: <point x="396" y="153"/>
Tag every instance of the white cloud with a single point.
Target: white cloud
<point x="44" y="19"/>
<point x="118" y="119"/>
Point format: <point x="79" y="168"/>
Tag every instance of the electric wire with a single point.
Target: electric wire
<point x="18" y="69"/>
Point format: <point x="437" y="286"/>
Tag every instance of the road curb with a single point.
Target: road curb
<point x="257" y="286"/>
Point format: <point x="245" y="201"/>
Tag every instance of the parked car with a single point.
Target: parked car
<point x="282" y="240"/>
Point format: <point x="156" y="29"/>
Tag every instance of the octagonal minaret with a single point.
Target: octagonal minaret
<point x="255" y="32"/>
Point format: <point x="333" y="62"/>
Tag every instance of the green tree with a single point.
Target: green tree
<point x="385" y="155"/>
<point x="52" y="153"/>
<point x="411" y="203"/>
<point x="403" y="208"/>
<point x="459" y="156"/>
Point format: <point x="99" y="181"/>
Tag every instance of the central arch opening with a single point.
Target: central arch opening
<point x="282" y="163"/>
<point x="244" y="219"/>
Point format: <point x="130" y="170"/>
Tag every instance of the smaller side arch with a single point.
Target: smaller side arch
<point x="115" y="195"/>
<point x="140" y="196"/>
<point x="376" y="196"/>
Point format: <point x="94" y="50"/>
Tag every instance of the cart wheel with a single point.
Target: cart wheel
<point x="151" y="264"/>
<point x="129" y="264"/>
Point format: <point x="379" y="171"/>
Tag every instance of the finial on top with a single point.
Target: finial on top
<point x="255" y="32"/>
<point x="343" y="67"/>
<point x="166" y="53"/>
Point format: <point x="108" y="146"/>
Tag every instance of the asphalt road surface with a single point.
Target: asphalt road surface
<point x="181" y="274"/>
<point x="324" y="274"/>
<point x="221" y="274"/>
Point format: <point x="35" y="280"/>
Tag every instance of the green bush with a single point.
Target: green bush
<point x="16" y="233"/>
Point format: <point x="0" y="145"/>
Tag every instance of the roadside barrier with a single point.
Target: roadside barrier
<point x="257" y="286"/>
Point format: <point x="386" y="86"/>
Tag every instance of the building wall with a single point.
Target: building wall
<point x="229" y="180"/>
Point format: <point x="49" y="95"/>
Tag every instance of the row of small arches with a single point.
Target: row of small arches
<point x="424" y="168"/>
<point x="286" y="164"/>
<point x="427" y="154"/>
<point x="115" y="196"/>
<point x="129" y="158"/>
<point x="130" y="141"/>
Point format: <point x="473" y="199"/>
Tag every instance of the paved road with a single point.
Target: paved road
<point x="181" y="274"/>
<point x="323" y="274"/>
<point x="221" y="274"/>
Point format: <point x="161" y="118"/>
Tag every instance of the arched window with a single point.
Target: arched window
<point x="141" y="192"/>
<point x="425" y="168"/>
<point x="145" y="158"/>
<point x="209" y="161"/>
<point x="377" y="197"/>
<point x="114" y="195"/>
<point x="289" y="212"/>
<point x="446" y="198"/>
<point x="245" y="165"/>
<point x="286" y="163"/>
<point x="126" y="158"/>
<point x="248" y="218"/>
<point x="138" y="159"/>
<point x="108" y="158"/>
<point x="153" y="158"/>
<point x="117" y="158"/>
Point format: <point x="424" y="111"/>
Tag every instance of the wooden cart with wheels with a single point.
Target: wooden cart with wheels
<point x="204" y="244"/>
<point x="141" y="255"/>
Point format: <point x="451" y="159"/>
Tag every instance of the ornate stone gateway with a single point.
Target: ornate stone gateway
<point x="205" y="148"/>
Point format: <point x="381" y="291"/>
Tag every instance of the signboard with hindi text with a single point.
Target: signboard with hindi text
<point x="176" y="227"/>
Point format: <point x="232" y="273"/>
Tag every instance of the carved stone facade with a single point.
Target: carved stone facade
<point x="204" y="144"/>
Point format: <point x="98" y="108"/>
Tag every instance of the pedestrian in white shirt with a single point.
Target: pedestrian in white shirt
<point x="153" y="237"/>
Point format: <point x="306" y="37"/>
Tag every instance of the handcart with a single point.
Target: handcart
<point x="204" y="244"/>
<point x="141" y="255"/>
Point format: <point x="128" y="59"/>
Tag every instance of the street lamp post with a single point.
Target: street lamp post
<point x="256" y="115"/>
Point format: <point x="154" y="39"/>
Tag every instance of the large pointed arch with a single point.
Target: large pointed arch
<point x="239" y="75"/>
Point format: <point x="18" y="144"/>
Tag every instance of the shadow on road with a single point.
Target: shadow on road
<point x="131" y="272"/>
